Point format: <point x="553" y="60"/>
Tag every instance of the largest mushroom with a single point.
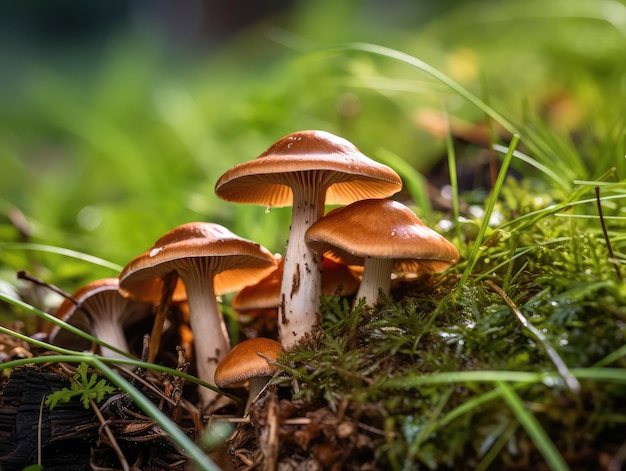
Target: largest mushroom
<point x="306" y="170"/>
<point x="210" y="260"/>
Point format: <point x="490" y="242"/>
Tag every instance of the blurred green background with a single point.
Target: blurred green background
<point x="118" y="117"/>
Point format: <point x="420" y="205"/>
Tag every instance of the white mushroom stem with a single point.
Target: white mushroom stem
<point x="256" y="385"/>
<point x="302" y="276"/>
<point x="376" y="276"/>
<point x="210" y="337"/>
<point x="110" y="331"/>
<point x="107" y="311"/>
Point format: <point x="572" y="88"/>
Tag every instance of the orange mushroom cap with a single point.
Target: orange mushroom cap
<point x="248" y="360"/>
<point x="104" y="314"/>
<point x="349" y="174"/>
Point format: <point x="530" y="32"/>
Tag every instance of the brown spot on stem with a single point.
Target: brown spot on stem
<point x="215" y="359"/>
<point x="281" y="310"/>
<point x="295" y="284"/>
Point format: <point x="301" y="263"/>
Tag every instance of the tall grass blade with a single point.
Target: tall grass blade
<point x="61" y="251"/>
<point x="536" y="432"/>
<point x="426" y="68"/>
<point x="473" y="256"/>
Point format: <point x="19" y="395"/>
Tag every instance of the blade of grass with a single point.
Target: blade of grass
<point x="487" y="376"/>
<point x="533" y="428"/>
<point x="413" y="180"/>
<point x="571" y="382"/>
<point x="67" y="357"/>
<point x="533" y="163"/>
<point x="38" y="343"/>
<point x="454" y="184"/>
<point x="611" y="357"/>
<point x="529" y="219"/>
<point x="612" y="375"/>
<point x="201" y="460"/>
<point x="430" y="426"/>
<point x="131" y="361"/>
<point x="497" y="447"/>
<point x="64" y="325"/>
<point x="473" y="256"/>
<point x="61" y="251"/>
<point x="424" y="67"/>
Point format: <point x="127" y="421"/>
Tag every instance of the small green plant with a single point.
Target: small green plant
<point x="85" y="386"/>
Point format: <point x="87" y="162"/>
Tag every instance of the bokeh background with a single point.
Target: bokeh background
<point x="118" y="117"/>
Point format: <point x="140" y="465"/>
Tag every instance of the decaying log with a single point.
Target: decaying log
<point x="69" y="436"/>
<point x="67" y="432"/>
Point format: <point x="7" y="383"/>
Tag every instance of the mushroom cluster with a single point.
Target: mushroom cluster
<point x="354" y="247"/>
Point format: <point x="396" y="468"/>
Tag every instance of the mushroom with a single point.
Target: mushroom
<point x="305" y="169"/>
<point x="210" y="260"/>
<point x="103" y="312"/>
<point x="248" y="361"/>
<point x="382" y="236"/>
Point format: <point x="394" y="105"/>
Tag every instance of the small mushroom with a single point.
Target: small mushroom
<point x="103" y="312"/>
<point x="248" y="361"/>
<point x="210" y="260"/>
<point x="306" y="170"/>
<point x="382" y="236"/>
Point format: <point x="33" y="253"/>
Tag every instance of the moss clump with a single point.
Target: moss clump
<point x="399" y="370"/>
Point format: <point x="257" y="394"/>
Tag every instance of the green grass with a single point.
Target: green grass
<point x="449" y="373"/>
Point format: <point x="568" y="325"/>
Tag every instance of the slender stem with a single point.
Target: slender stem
<point x="376" y="277"/>
<point x="169" y="284"/>
<point x="211" y="341"/>
<point x="606" y="234"/>
<point x="112" y="333"/>
<point x="301" y="284"/>
<point x="256" y="385"/>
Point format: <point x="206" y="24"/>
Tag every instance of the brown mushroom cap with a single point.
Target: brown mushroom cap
<point x="237" y="262"/>
<point x="382" y="229"/>
<point x="265" y="294"/>
<point x="350" y="175"/>
<point x="104" y="315"/>
<point x="243" y="362"/>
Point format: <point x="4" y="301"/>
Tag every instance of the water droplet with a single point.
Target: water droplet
<point x="267" y="209"/>
<point x="393" y="233"/>
<point x="155" y="251"/>
<point x="551" y="381"/>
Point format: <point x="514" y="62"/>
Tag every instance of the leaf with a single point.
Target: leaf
<point x="84" y="385"/>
